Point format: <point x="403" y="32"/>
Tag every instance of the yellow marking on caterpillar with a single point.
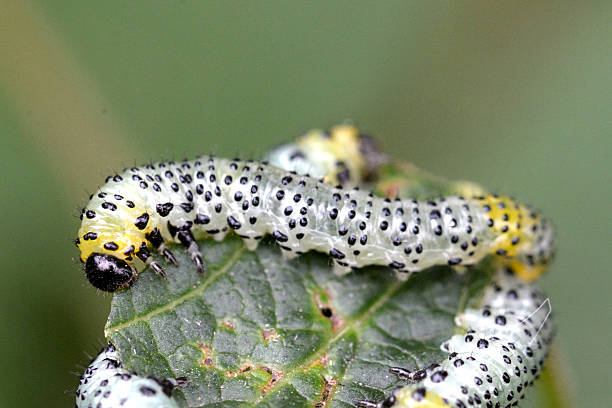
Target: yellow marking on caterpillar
<point x="513" y="223"/>
<point x="120" y="230"/>
<point x="405" y="399"/>
<point x="342" y="146"/>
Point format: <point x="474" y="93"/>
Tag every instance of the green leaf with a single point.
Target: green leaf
<point x="259" y="330"/>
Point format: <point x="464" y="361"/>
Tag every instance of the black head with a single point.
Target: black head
<point x="108" y="273"/>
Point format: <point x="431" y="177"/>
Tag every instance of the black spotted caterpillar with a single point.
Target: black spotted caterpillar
<point x="146" y="207"/>
<point x="494" y="361"/>
<point x="106" y="384"/>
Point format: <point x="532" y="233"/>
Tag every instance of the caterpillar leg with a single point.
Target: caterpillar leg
<point x="403" y="274"/>
<point x="288" y="254"/>
<point x="167" y="254"/>
<point x="250" y="243"/>
<point x="341" y="269"/>
<point x="188" y="241"/>
<point x="145" y="256"/>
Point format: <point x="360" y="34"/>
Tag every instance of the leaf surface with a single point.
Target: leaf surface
<point x="260" y="330"/>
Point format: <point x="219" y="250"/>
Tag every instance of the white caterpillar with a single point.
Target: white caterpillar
<point x="501" y="354"/>
<point x="148" y="206"/>
<point x="106" y="384"/>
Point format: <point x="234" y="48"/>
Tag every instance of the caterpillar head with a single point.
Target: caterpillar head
<point x="108" y="273"/>
<point x="108" y="257"/>
<point x="113" y="230"/>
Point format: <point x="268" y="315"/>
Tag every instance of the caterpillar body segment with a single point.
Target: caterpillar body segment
<point x="145" y="207"/>
<point x="492" y="364"/>
<point x="107" y="384"/>
<point x="341" y="155"/>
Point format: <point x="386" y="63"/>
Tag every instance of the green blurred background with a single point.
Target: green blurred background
<point x="516" y="96"/>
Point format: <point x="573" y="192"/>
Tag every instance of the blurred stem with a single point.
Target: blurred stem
<point x="553" y="388"/>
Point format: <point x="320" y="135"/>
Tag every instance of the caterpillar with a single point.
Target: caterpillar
<point x="485" y="225"/>
<point x="146" y="207"/>
<point x="342" y="155"/>
<point x="491" y="365"/>
<point x="106" y="384"/>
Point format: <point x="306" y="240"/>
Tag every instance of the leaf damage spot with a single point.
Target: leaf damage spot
<point x="323" y="361"/>
<point x="275" y="376"/>
<point x="246" y="368"/>
<point x="270" y="335"/>
<point x="327" y="392"/>
<point x="206" y="359"/>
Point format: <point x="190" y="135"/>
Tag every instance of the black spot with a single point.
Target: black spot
<point x="439" y="376"/>
<point x="109" y="206"/>
<point x="396" y="265"/>
<point x="147" y="391"/>
<point x="233" y="223"/>
<point x="164" y="209"/>
<point x="201" y="219"/>
<point x="334" y="253"/>
<point x="454" y="261"/>
<point x="280" y="194"/>
<point x="482" y="344"/>
<point x="434" y="214"/>
<point x="419" y="394"/>
<point x="90" y="236"/>
<point x="141" y="222"/>
<point x="111" y="246"/>
<point x="500" y="320"/>
<point x="279" y="236"/>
